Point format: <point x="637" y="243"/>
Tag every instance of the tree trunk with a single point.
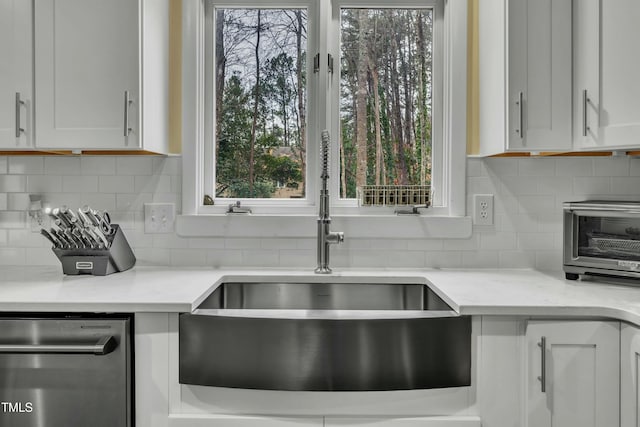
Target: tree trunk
<point x="252" y="143"/>
<point x="220" y="71"/>
<point x="361" y="102"/>
<point x="396" y="117"/>
<point x="302" y="114"/>
<point x="376" y="103"/>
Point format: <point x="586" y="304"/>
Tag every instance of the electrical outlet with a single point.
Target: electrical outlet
<point x="483" y="209"/>
<point x="159" y="217"/>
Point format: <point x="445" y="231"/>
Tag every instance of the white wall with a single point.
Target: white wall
<point x="527" y="233"/>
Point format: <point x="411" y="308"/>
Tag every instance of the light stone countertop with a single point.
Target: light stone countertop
<point x="515" y="292"/>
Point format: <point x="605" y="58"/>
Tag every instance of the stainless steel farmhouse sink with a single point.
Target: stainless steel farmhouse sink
<point x="325" y="337"/>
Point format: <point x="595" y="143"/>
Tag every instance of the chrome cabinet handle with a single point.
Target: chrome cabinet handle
<point x="519" y="102"/>
<point x="19" y="103"/>
<point x="127" y="103"/>
<point x="543" y="362"/>
<point x="104" y="345"/>
<point x="585" y="102"/>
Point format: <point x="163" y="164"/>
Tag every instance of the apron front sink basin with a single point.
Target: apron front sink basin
<point x="325" y="337"/>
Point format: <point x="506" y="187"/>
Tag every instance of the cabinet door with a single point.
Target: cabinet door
<point x="620" y="68"/>
<point x="629" y="384"/>
<point x="586" y="73"/>
<point x="15" y="74"/>
<point x="573" y="373"/>
<point x="606" y="96"/>
<point x="87" y="56"/>
<point x="539" y="70"/>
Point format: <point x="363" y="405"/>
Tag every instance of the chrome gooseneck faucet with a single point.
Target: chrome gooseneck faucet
<point x="325" y="236"/>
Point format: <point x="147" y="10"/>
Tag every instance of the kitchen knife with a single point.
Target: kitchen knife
<point x="49" y="236"/>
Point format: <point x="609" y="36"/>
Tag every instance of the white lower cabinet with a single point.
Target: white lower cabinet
<point x="572" y="373"/>
<point x="629" y="384"/>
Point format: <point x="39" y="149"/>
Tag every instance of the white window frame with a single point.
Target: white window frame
<point x="451" y="192"/>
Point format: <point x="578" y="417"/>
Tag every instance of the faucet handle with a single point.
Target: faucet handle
<point x="335" y="237"/>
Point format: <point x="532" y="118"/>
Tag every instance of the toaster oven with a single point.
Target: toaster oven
<point x="601" y="238"/>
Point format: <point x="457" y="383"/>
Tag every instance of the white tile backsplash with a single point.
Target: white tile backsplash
<point x="527" y="230"/>
<point x="26" y="165"/>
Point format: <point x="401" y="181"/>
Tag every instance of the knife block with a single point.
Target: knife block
<point x="98" y="262"/>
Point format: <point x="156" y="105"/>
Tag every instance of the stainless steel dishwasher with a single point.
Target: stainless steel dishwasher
<point x="65" y="370"/>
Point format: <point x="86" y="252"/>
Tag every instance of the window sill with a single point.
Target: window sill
<point x="304" y="226"/>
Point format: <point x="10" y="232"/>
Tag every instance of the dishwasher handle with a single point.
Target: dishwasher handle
<point x="103" y="346"/>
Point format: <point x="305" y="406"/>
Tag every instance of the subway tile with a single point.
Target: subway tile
<point x="362" y="258"/>
<point x="479" y="259"/>
<point x="634" y="166"/>
<point x="224" y="258"/>
<point x="242" y="243"/>
<point x="554" y="185"/>
<point x="517" y="259"/>
<point x="170" y="240"/>
<point x="17" y="202"/>
<point x="98" y="201"/>
<point x="205" y="243"/>
<point x="519" y="222"/>
<point x="132" y="202"/>
<point x="4" y="237"/>
<point x="4" y="201"/>
<point x="98" y="165"/>
<point x="153" y="256"/>
<point x="591" y="185"/>
<point x="279" y="243"/>
<point x="297" y="258"/>
<point x="480" y="185"/>
<point x="26" y="165"/>
<point x="116" y="184"/>
<point x="71" y="200"/>
<point x="176" y="184"/>
<point x="625" y="185"/>
<point x="153" y="184"/>
<point x="11" y="219"/>
<point x="498" y="241"/>
<point x="536" y="241"/>
<point x="3" y="165"/>
<point x="25" y="238"/>
<point x="425" y="244"/>
<point x="188" y="258"/>
<point x="549" y="260"/>
<point x="170" y="165"/>
<point x="44" y="184"/>
<point x="41" y="256"/>
<point x="611" y="166"/>
<point x="12" y="256"/>
<point x="541" y="203"/>
<point x="520" y="185"/>
<point x="574" y="166"/>
<point x="501" y="166"/>
<point x="62" y="165"/>
<point x="439" y="259"/>
<point x="80" y="184"/>
<point x="461" y="244"/>
<point x="13" y="183"/>
<point x="134" y="165"/>
<point x="260" y="258"/>
<point x="476" y="167"/>
<point x="536" y="166"/>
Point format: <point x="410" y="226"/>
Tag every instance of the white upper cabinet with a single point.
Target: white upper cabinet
<point x="573" y="373"/>
<point x="606" y="97"/>
<point x="16" y="65"/>
<point x="525" y="75"/>
<point x="93" y="72"/>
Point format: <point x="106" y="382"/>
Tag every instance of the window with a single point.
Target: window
<point x="260" y="102"/>
<point x="255" y="103"/>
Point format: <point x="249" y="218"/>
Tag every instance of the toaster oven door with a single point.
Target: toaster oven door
<point x="603" y="239"/>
